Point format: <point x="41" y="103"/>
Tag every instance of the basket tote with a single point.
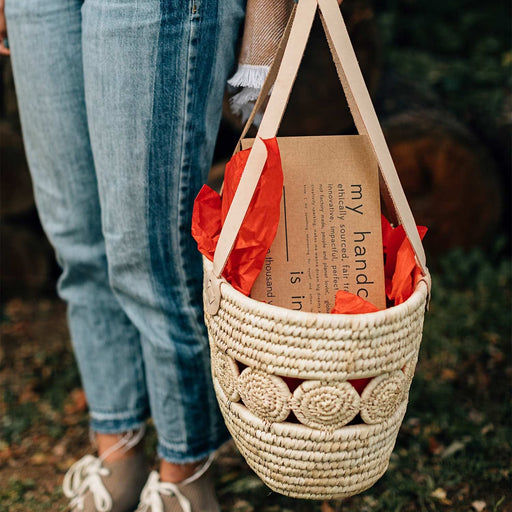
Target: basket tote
<point x="340" y="443"/>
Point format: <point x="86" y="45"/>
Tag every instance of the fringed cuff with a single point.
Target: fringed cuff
<point x="243" y="102"/>
<point x="250" y="78"/>
<point x="248" y="75"/>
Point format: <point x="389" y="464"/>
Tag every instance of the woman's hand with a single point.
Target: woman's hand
<point x="4" y="49"/>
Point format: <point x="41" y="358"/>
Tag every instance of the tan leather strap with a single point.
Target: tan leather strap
<point x="366" y="119"/>
<point x="361" y="107"/>
<point x="277" y="102"/>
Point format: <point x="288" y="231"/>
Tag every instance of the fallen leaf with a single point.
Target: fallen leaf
<point x="326" y="507"/>
<point x="59" y="449"/>
<point x="434" y="446"/>
<point x="370" y="501"/>
<point x="243" y="506"/>
<point x="5" y="454"/>
<point x="28" y="395"/>
<point x="497" y="356"/>
<point x="476" y="416"/>
<point x="479" y="505"/>
<point x="77" y="402"/>
<point x="439" y="494"/>
<point x="38" y="459"/>
<point x="448" y="374"/>
<point x="229" y="476"/>
<point x="455" y="447"/>
<point x="488" y="428"/>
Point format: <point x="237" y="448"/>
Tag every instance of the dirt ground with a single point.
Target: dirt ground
<point x="44" y="425"/>
<point x="453" y="451"/>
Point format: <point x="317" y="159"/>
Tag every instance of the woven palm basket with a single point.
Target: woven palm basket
<point x="286" y="380"/>
<point x="323" y="440"/>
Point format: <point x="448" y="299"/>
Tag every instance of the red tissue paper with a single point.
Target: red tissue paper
<point x="401" y="271"/>
<point x="351" y="304"/>
<point x="400" y="268"/>
<point x="259" y="227"/>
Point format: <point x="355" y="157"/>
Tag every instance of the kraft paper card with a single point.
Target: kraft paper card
<point x="329" y="236"/>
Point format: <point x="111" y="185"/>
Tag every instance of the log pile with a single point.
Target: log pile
<point x="449" y="176"/>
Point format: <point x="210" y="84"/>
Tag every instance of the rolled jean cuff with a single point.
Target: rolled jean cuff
<point x="116" y="423"/>
<point x="180" y="454"/>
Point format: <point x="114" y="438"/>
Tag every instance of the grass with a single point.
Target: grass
<point x="453" y="452"/>
<point x="461" y="50"/>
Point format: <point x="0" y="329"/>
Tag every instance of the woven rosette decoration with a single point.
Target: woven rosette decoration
<point x="314" y="401"/>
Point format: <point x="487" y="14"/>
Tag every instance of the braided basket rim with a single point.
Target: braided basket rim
<point x="418" y="297"/>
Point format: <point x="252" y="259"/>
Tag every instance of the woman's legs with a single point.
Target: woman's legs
<point x="46" y="42"/>
<point x="154" y="77"/>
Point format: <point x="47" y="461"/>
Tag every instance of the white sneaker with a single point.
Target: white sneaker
<point x="195" y="494"/>
<point x="94" y="485"/>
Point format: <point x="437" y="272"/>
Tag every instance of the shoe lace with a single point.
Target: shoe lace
<point x="151" y="496"/>
<point x="86" y="475"/>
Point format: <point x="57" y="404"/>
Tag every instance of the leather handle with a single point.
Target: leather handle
<point x="366" y="119"/>
<point x="361" y="108"/>
<point x="299" y="35"/>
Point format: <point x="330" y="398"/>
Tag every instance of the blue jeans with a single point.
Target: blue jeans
<point x="120" y="103"/>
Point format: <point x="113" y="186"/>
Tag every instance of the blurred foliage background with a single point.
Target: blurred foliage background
<point x="454" y="450"/>
<point x="461" y="50"/>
